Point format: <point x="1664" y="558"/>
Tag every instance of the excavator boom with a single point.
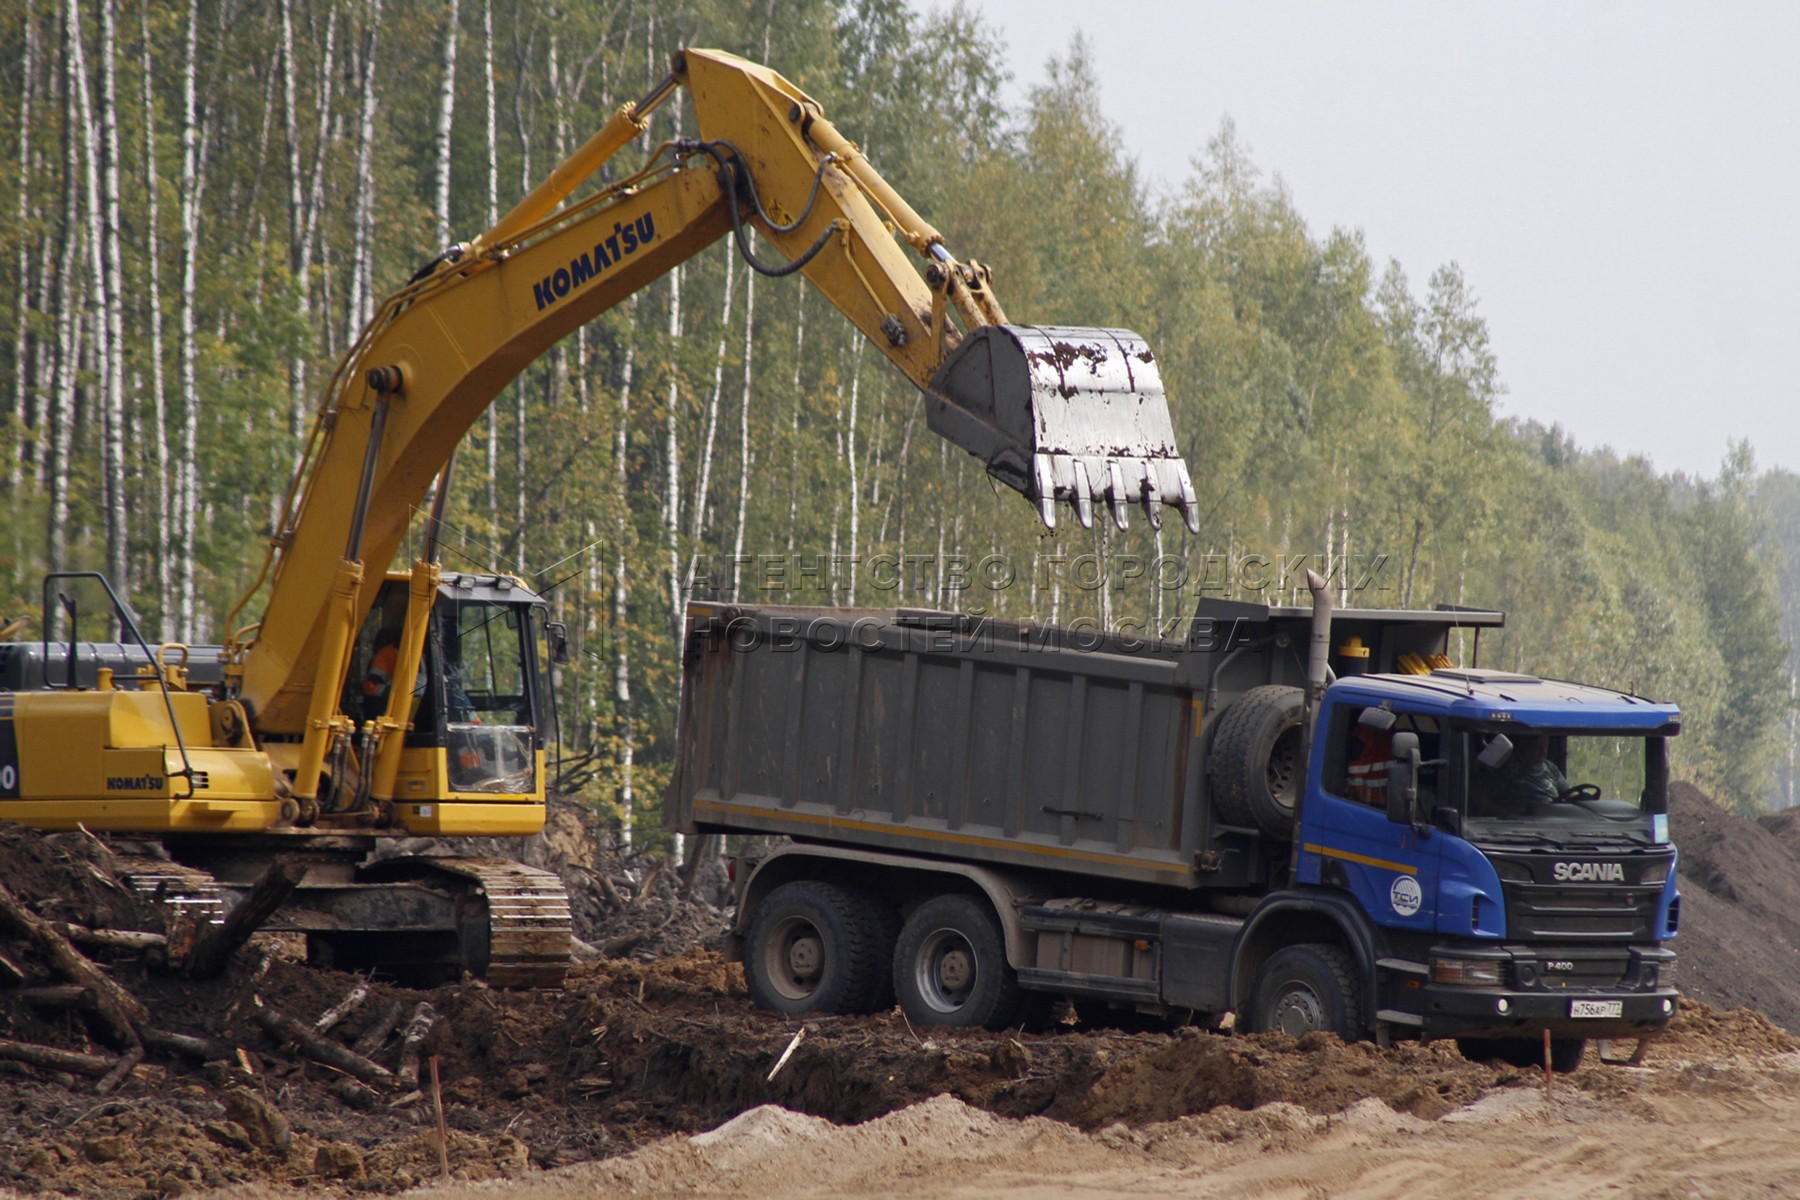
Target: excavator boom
<point x="1062" y="415"/>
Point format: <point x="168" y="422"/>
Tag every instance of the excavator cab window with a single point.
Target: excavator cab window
<point x="481" y="700"/>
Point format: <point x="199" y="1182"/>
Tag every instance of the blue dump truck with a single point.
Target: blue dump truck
<point x="1309" y="820"/>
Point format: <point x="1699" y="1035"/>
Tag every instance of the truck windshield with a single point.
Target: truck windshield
<point x="1557" y="781"/>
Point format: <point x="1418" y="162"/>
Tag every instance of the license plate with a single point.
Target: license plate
<point x="1596" y="1008"/>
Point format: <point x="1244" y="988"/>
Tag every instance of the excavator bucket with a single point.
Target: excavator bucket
<point x="1065" y="415"/>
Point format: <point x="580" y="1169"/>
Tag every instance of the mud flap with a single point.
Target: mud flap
<point x="1065" y="415"/>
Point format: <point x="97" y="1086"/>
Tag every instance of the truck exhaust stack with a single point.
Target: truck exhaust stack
<point x="1068" y="415"/>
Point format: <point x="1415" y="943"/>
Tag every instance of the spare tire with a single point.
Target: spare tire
<point x="1254" y="772"/>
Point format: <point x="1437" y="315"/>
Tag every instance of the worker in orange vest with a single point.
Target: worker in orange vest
<point x="1371" y="752"/>
<point x="380" y="675"/>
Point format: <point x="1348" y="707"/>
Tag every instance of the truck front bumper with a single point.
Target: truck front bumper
<point x="1495" y="1012"/>
<point x="1540" y="990"/>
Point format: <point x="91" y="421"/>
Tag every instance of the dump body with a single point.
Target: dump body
<point x="1002" y="742"/>
<point x="941" y="735"/>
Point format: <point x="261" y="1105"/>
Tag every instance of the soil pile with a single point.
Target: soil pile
<point x="633" y="1050"/>
<point x="1740" y="906"/>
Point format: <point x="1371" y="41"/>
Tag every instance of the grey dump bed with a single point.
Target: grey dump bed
<point x="936" y="734"/>
<point x="993" y="741"/>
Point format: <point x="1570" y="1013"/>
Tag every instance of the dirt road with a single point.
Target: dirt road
<point x="1677" y="1128"/>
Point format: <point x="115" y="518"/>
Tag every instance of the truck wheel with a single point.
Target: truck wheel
<point x="884" y="933"/>
<point x="1254" y="770"/>
<point x="809" y="949"/>
<point x="950" y="966"/>
<point x="1306" y="988"/>
<point x="1525" y="1053"/>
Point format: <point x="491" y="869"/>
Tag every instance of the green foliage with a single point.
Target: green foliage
<point x="1329" y="409"/>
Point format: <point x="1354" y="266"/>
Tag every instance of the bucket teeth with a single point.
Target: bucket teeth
<point x="1115" y="495"/>
<point x="1068" y="416"/>
<point x="1083" y="493"/>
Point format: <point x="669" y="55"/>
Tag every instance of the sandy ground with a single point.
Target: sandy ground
<point x="1675" y="1128"/>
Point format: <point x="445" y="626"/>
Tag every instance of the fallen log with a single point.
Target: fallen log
<point x="128" y="1062"/>
<point x="52" y="1059"/>
<point x="116" y="1009"/>
<point x="286" y="1028"/>
<point x="111" y="939"/>
<point x="343" y="1008"/>
<point x="624" y="944"/>
<point x="356" y="1095"/>
<point x="412" y="1043"/>
<point x="200" y="1048"/>
<point x="376" y="1035"/>
<point x="213" y="950"/>
<point x="59" y="995"/>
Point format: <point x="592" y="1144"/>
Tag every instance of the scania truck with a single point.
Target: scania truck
<point x="1308" y="820"/>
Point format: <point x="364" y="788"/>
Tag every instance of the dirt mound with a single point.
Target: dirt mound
<point x="633" y="1051"/>
<point x="70" y="877"/>
<point x="1193" y="1073"/>
<point x="1740" y="921"/>
<point x="628" y="1054"/>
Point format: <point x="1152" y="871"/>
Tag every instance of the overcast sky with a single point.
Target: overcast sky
<point x="1620" y="182"/>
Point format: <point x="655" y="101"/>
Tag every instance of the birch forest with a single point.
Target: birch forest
<point x="209" y="197"/>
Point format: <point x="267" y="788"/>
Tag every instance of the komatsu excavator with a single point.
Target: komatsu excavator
<point x="370" y="704"/>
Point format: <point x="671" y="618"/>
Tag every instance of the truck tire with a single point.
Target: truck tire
<point x="1254" y="770"/>
<point x="1526" y="1053"/>
<point x="810" y="949"/>
<point x="884" y="929"/>
<point x="1306" y="988"/>
<point x="950" y="966"/>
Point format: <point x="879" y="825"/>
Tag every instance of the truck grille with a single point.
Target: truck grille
<point x="1585" y="973"/>
<point x="1539" y="905"/>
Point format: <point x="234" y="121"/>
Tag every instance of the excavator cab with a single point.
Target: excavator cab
<point x="480" y="711"/>
<point x="482" y="685"/>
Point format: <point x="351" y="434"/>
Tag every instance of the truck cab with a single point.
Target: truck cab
<point x="1507" y="839"/>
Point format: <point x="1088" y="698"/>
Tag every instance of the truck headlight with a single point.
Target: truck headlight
<point x="1468" y="972"/>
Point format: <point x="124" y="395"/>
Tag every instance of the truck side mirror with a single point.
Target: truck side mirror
<point x="1403" y="778"/>
<point x="556" y="637"/>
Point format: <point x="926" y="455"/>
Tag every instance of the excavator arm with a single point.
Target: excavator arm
<point x="1059" y="414"/>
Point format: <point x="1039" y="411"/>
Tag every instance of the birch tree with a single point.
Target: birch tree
<point x="21" y="392"/>
<point x="159" y="417"/>
<point x="704" y="481"/>
<point x="446" y="114"/>
<point x="360" y="305"/>
<point x="62" y="406"/>
<point x="118" y="533"/>
<point x="187" y="473"/>
<point x="100" y="295"/>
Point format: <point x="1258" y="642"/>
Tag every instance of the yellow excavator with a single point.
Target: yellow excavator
<point x="370" y="704"/>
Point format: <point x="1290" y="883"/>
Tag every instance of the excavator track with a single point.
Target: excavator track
<point x="422" y="918"/>
<point x="529" y="928"/>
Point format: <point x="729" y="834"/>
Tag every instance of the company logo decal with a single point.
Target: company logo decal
<point x="626" y="239"/>
<point x="1568" y="872"/>
<point x="1405" y="895"/>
